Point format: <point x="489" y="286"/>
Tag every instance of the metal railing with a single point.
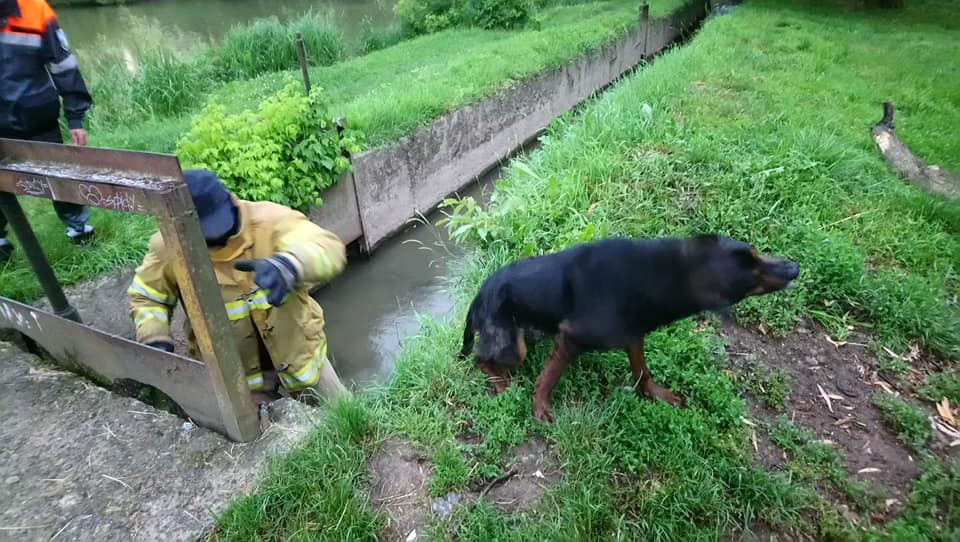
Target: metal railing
<point x="142" y="183"/>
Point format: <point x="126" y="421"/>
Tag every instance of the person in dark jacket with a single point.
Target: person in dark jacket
<point x="37" y="69"/>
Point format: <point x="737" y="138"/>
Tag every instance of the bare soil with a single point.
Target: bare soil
<point x="82" y="463"/>
<point x="399" y="472"/>
<point x="530" y="470"/>
<point x="848" y="375"/>
<point x="398" y="475"/>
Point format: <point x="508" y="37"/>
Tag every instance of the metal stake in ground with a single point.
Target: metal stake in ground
<point x="10" y="207"/>
<point x="302" y="53"/>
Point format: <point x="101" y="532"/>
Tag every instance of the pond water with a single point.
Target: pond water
<point x="209" y="20"/>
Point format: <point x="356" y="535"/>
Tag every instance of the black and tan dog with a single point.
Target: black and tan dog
<point x="608" y="295"/>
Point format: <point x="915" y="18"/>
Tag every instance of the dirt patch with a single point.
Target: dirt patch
<point x="103" y="304"/>
<point x="82" y="463"/>
<point x="847" y="375"/>
<point x="530" y="471"/>
<point x="398" y="475"/>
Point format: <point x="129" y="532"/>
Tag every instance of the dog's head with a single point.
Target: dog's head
<point x="725" y="271"/>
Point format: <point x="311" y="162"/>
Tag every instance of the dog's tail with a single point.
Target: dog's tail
<point x="469" y="329"/>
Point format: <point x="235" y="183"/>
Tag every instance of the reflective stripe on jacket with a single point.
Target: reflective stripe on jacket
<point x="292" y="334"/>
<point x="37" y="68"/>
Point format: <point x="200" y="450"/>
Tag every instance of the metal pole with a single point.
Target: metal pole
<point x="302" y="53"/>
<point x="10" y="207"/>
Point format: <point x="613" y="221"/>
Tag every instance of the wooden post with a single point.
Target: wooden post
<point x="645" y="22"/>
<point x="304" y="67"/>
<point x="203" y="304"/>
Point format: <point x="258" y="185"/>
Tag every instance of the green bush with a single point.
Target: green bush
<point x="427" y="16"/>
<point x="267" y="45"/>
<point x="492" y="14"/>
<point x="286" y="152"/>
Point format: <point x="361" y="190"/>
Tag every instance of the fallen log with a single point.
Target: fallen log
<point x="930" y="177"/>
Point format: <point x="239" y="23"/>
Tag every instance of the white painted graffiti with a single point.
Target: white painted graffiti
<point x="34" y="186"/>
<point x="120" y="201"/>
<point x="19" y="318"/>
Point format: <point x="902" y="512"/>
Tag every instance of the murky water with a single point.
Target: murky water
<point x="376" y="303"/>
<point x="209" y="20"/>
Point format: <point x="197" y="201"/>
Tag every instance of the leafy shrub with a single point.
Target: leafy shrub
<point x="492" y="14"/>
<point x="286" y="152"/>
<point x="267" y="45"/>
<point x="427" y="16"/>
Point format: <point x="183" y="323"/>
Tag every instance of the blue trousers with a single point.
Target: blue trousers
<point x="72" y="215"/>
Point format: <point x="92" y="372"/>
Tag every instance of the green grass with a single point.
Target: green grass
<point x="391" y="92"/>
<point x="760" y="129"/>
<point x="907" y="420"/>
<point x="121" y="240"/>
<point x="771" y="386"/>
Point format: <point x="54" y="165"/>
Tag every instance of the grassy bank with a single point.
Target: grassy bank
<point x="147" y="98"/>
<point x="759" y="128"/>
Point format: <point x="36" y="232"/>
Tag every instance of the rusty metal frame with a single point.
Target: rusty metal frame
<point x="142" y="183"/>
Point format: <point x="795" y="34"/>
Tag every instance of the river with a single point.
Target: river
<point x="209" y="20"/>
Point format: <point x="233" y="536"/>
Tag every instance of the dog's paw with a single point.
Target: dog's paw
<point x="543" y="412"/>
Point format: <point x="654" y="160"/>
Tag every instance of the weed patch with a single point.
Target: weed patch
<point x="907" y="420"/>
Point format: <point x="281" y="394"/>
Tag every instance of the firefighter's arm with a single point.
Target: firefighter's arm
<point x="153" y="296"/>
<point x="64" y="70"/>
<point x="318" y="254"/>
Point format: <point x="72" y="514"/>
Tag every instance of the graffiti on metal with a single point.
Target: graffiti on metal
<point x="15" y="317"/>
<point x="118" y="200"/>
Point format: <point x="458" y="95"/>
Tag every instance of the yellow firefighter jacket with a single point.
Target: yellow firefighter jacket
<point x="292" y="333"/>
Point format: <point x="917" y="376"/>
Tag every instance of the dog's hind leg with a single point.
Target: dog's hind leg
<point x="563" y="353"/>
<point x="644" y="380"/>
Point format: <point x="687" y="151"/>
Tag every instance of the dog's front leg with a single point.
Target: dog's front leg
<point x="644" y="381"/>
<point x="563" y="353"/>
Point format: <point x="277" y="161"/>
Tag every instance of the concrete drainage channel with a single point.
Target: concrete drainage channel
<point x="84" y="463"/>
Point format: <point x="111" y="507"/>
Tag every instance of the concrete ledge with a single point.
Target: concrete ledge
<point x="396" y="182"/>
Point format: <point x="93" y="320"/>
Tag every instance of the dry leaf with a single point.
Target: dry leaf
<point x="764" y="328"/>
<point x="836" y="344"/>
<point x="412" y="536"/>
<point x="886" y="387"/>
<point x="868" y="470"/>
<point x="844" y="421"/>
<point x="753" y="437"/>
<point x="891" y="502"/>
<point x="888" y="351"/>
<point x="949" y="431"/>
<point x="913" y="354"/>
<point x="747" y="422"/>
<point x="943" y="407"/>
<point x="825" y="397"/>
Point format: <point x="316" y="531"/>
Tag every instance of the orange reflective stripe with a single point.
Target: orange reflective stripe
<point x="34" y="16"/>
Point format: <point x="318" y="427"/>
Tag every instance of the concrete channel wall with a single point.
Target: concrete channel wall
<point x="391" y="184"/>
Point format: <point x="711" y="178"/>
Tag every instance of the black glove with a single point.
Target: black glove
<point x="277" y="275"/>
<point x="162" y="345"/>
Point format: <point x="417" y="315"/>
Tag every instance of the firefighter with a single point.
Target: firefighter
<point x="37" y="69"/>
<point x="265" y="257"/>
